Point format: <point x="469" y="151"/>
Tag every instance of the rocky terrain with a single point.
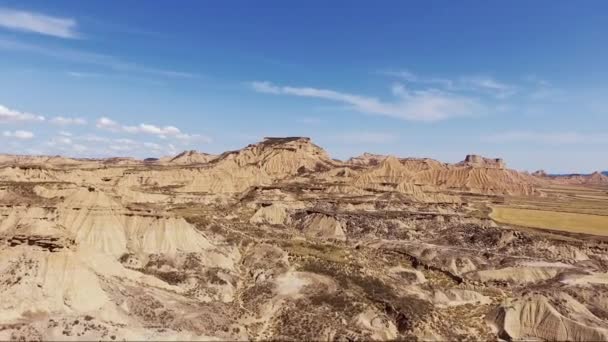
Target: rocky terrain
<point x="595" y="178"/>
<point x="277" y="241"/>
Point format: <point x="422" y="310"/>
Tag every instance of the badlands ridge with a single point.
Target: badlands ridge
<point x="279" y="241"/>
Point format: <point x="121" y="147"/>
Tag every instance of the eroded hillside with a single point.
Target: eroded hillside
<point x="278" y="241"/>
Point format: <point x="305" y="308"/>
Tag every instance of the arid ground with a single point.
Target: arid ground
<point x="277" y="241"/>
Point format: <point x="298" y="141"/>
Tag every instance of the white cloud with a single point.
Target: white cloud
<point x="193" y="138"/>
<point x="488" y="85"/>
<point x="265" y="87"/>
<point x="107" y="123"/>
<point x="365" y="137"/>
<point x="426" y="105"/>
<point x="409" y="76"/>
<point x="163" y="132"/>
<point x="10" y="115"/>
<point x="152" y="145"/>
<point x="477" y="83"/>
<point x="111" y="125"/>
<point x="547" y="137"/>
<point x="38" y="23"/>
<point x="151" y="129"/>
<point x="59" y="141"/>
<point x="63" y="121"/>
<point x="18" y="134"/>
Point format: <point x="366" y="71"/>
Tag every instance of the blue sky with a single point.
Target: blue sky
<point x="522" y="80"/>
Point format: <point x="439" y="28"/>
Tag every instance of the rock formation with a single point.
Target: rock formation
<point x="277" y="241"/>
<point x="479" y="161"/>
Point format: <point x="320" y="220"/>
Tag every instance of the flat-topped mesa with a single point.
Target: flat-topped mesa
<point x="282" y="140"/>
<point x="479" y="161"/>
<point x="301" y="144"/>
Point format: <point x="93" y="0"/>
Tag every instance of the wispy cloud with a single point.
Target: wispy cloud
<point x="427" y="105"/>
<point x="65" y="121"/>
<point x="547" y="137"/>
<point x="409" y="76"/>
<point x="11" y="115"/>
<point x="475" y="83"/>
<point x="18" y="134"/>
<point x="76" y="56"/>
<point x="487" y="84"/>
<point x="80" y="74"/>
<point x="38" y="23"/>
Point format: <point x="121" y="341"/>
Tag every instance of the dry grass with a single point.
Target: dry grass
<point x="563" y="221"/>
<point x="323" y="252"/>
<point x="568" y="199"/>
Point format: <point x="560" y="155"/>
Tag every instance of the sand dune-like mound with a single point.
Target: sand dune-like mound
<point x="27" y="173"/>
<point x="272" y="214"/>
<point x="9" y="159"/>
<point x="422" y="164"/>
<point x="476" y="179"/>
<point x="538" y="317"/>
<point x="389" y="173"/>
<point x="97" y="221"/>
<point x="475" y="174"/>
<point x="393" y="174"/>
<point x="225" y="177"/>
<point x="322" y="226"/>
<point x="425" y="193"/>
<point x="281" y="157"/>
<point x="596" y="178"/>
<point x="189" y="157"/>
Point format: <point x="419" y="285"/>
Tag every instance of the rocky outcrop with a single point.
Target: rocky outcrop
<point x="272" y="214"/>
<point x="483" y="180"/>
<point x="318" y="225"/>
<point x="367" y="159"/>
<point x="479" y="161"/>
<point x="595" y="178"/>
<point x="49" y="243"/>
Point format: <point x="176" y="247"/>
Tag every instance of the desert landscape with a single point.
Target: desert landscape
<point x="277" y="241"/>
<point x="303" y="170"/>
